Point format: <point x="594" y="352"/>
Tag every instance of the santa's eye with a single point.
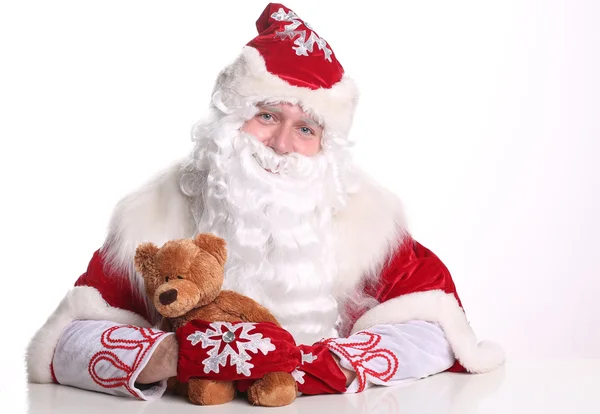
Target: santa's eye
<point x="267" y="117"/>
<point x="307" y="131"/>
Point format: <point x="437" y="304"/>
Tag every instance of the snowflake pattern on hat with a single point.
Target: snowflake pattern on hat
<point x="289" y="49"/>
<point x="303" y="46"/>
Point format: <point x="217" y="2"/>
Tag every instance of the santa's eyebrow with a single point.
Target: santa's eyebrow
<point x="270" y="108"/>
<point x="311" y="122"/>
<point x="308" y="121"/>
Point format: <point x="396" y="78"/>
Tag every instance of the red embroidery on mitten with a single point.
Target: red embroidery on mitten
<point x="367" y="351"/>
<point x="149" y="338"/>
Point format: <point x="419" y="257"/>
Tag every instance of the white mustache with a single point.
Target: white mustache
<point x="292" y="165"/>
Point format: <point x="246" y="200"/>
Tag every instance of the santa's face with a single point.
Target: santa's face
<point x="286" y="129"/>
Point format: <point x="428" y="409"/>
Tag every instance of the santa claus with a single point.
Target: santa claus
<point x="309" y="235"/>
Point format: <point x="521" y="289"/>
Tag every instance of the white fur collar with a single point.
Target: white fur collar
<point x="367" y="232"/>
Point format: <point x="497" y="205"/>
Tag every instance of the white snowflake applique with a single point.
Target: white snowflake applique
<point x="298" y="376"/>
<point x="233" y="342"/>
<point x="303" y="46"/>
<point x="306" y="358"/>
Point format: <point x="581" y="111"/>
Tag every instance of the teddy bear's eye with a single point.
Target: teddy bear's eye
<point x="179" y="277"/>
<point x="166" y="278"/>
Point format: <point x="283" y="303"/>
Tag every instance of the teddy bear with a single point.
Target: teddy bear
<point x="184" y="279"/>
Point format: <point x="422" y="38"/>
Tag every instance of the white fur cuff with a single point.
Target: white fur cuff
<point x="443" y="309"/>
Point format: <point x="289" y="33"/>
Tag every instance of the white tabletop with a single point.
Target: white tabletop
<point x="518" y="387"/>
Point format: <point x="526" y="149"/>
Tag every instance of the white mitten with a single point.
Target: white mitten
<point x="107" y="357"/>
<point x="391" y="354"/>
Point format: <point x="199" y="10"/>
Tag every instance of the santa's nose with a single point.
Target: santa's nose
<point x="168" y="297"/>
<point x="281" y="141"/>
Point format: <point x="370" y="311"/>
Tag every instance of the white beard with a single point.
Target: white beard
<point x="277" y="227"/>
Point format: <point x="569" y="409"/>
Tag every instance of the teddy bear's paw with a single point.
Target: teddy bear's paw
<point x="208" y="392"/>
<point x="275" y="389"/>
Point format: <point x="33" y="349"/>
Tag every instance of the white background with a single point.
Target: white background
<point x="482" y="116"/>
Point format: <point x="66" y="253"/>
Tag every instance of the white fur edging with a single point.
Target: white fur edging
<point x="249" y="78"/>
<point x="442" y="308"/>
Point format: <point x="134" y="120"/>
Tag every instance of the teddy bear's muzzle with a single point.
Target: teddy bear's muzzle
<point x="176" y="297"/>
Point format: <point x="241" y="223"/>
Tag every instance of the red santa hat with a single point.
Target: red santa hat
<point x="289" y="62"/>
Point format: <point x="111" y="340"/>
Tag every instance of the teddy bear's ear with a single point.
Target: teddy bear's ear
<point x="214" y="245"/>
<point x="144" y="258"/>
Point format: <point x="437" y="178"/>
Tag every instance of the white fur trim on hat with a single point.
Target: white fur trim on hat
<point x="248" y="78"/>
<point x="442" y="308"/>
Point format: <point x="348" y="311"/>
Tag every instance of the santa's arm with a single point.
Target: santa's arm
<point x="96" y="339"/>
<point x="418" y="328"/>
<point x="381" y="355"/>
<point x="157" y="211"/>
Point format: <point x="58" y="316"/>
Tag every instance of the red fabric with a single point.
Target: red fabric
<point x="311" y="70"/>
<point x="54" y="380"/>
<point x="413" y="268"/>
<point x="114" y="286"/>
<point x="322" y="375"/>
<point x="317" y="374"/>
<point x="201" y="342"/>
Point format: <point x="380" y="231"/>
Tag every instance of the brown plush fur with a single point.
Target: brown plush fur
<point x="272" y="389"/>
<point x="184" y="279"/>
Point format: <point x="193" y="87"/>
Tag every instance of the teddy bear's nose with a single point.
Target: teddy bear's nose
<point x="168" y="297"/>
